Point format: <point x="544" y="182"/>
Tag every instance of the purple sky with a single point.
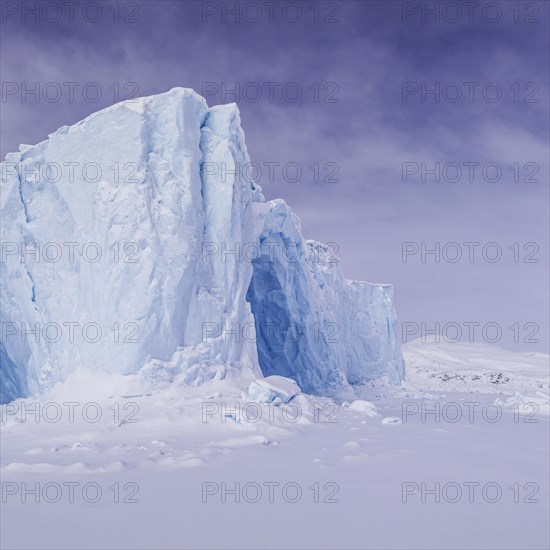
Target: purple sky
<point x="359" y="54"/>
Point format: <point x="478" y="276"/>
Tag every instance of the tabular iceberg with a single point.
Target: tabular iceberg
<point x="132" y="244"/>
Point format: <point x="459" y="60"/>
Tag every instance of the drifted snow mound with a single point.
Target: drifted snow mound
<point x="434" y="364"/>
<point x="170" y="264"/>
<point x="366" y="407"/>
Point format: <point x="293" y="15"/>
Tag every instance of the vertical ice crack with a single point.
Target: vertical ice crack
<point x="20" y="189"/>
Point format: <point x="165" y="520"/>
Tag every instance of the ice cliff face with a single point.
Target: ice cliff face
<point x="313" y="325"/>
<point x="131" y="243"/>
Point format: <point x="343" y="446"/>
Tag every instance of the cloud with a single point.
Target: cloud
<point x="362" y="62"/>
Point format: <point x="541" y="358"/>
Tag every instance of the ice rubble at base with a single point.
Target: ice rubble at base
<point x="178" y="206"/>
<point x="273" y="389"/>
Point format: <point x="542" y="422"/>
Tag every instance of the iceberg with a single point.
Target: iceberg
<point x="132" y="244"/>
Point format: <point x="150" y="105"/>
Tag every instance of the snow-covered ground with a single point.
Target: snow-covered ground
<point x="455" y="457"/>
